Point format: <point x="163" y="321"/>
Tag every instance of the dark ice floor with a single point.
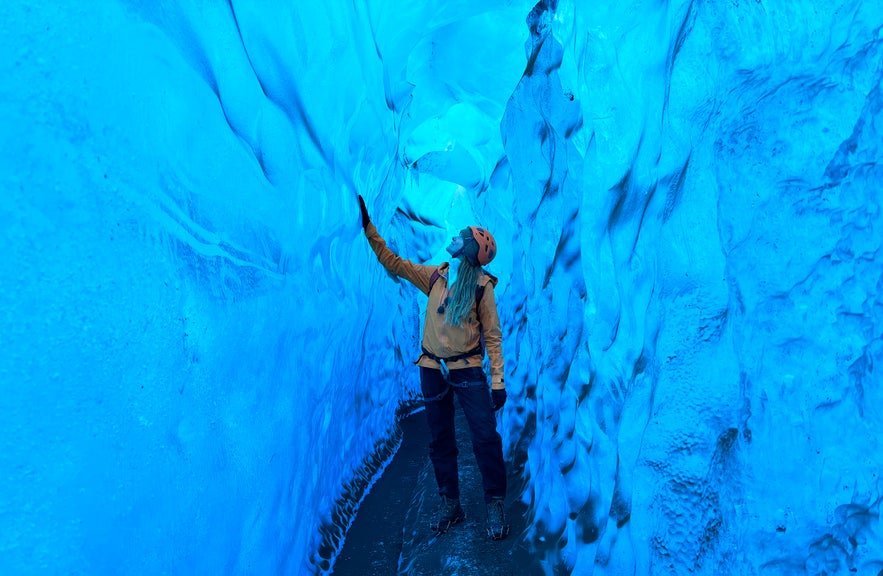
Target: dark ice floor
<point x="391" y="534"/>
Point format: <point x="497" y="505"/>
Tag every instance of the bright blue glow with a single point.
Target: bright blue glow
<point x="200" y="354"/>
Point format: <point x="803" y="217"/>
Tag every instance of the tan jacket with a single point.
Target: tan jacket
<point x="441" y="339"/>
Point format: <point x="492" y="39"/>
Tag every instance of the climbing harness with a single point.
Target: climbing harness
<point x="443" y="362"/>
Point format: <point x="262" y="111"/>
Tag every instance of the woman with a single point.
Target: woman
<point x="461" y="321"/>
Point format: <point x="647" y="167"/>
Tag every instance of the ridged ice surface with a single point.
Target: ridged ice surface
<point x="700" y="292"/>
<point x="202" y="361"/>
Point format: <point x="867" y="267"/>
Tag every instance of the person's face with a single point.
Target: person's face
<point x="456" y="246"/>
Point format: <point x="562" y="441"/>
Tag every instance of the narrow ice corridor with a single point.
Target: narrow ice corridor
<point x="203" y="365"/>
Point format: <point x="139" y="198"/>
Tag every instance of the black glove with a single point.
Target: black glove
<point x="364" y="210"/>
<point x="498" y="398"/>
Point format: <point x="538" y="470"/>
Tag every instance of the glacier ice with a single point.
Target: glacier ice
<point x="202" y="365"/>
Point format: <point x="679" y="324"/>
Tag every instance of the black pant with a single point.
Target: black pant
<point x="471" y="389"/>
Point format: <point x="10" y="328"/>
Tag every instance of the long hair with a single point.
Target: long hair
<point x="462" y="293"/>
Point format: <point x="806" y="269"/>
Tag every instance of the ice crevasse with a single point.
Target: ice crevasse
<point x="202" y="363"/>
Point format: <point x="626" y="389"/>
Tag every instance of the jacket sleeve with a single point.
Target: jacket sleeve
<point x="416" y="274"/>
<point x="493" y="335"/>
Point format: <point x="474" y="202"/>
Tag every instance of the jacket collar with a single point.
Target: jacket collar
<point x="483" y="280"/>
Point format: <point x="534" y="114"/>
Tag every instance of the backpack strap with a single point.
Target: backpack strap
<point x="433" y="279"/>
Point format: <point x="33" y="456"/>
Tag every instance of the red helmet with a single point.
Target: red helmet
<point x="481" y="249"/>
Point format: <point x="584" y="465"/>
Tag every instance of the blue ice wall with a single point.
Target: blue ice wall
<point x="201" y="362"/>
<point x="697" y="198"/>
<point x="173" y="402"/>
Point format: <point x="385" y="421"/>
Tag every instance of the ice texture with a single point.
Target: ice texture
<point x="202" y="362"/>
<point x="701" y="287"/>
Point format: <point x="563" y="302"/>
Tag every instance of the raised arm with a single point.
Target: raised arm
<point x="416" y="274"/>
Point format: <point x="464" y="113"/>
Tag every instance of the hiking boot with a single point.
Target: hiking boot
<point x="497" y="528"/>
<point x="448" y="513"/>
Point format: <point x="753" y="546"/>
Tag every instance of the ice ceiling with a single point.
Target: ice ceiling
<point x="201" y="362"/>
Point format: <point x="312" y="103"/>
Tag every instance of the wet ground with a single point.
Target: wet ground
<point x="391" y="534"/>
